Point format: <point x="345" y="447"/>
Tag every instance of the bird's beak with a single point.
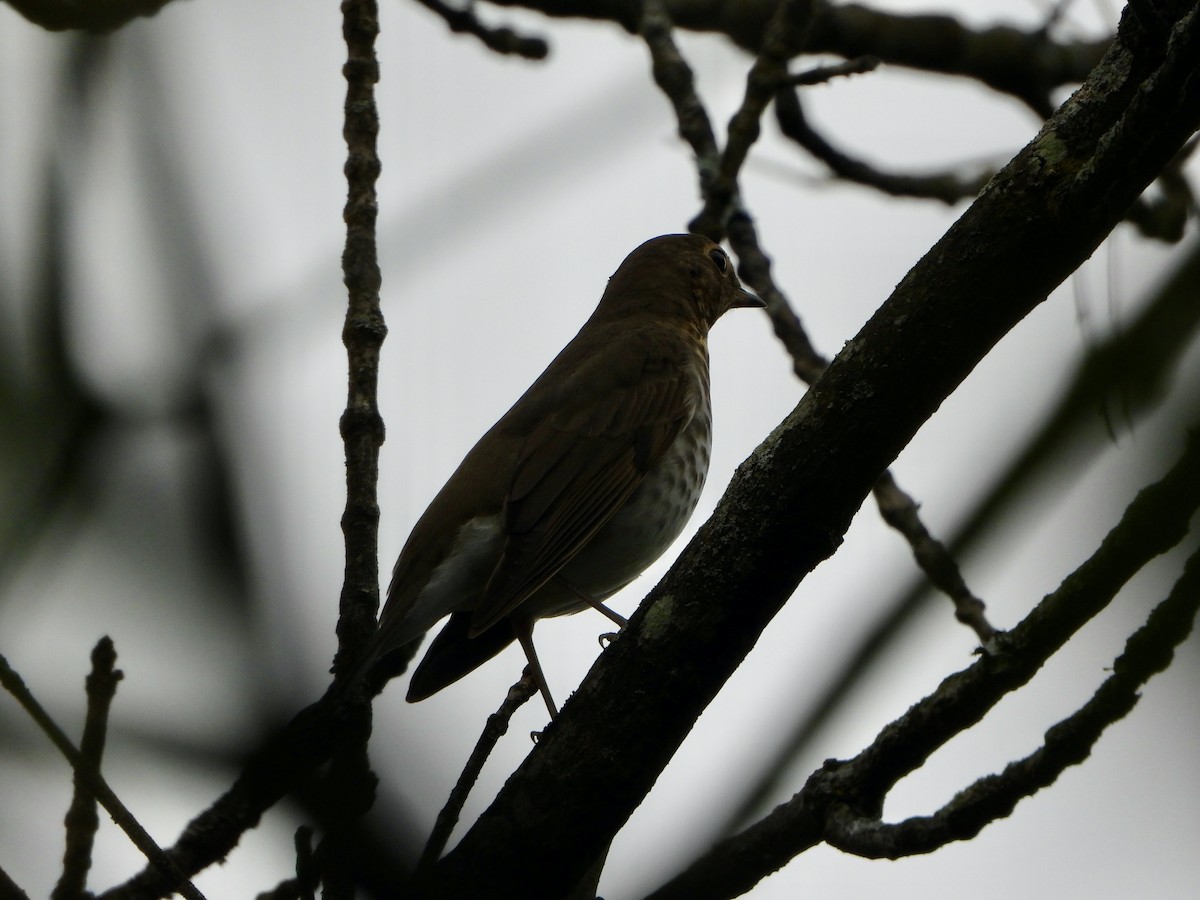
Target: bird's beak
<point x="747" y="300"/>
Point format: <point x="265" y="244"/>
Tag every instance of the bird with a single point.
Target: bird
<point x="585" y="481"/>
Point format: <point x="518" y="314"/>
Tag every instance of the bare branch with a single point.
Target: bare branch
<point x="1147" y="652"/>
<point x="823" y="74"/>
<point x="10" y="889"/>
<point x="948" y="187"/>
<point x="363" y="335"/>
<point x="501" y="40"/>
<point x="160" y="862"/>
<point x="674" y="76"/>
<point x="786" y="29"/>
<point x="98" y="16"/>
<point x="82" y="820"/>
<point x="495" y="728"/>
<point x="362" y="433"/>
<point x="900" y="511"/>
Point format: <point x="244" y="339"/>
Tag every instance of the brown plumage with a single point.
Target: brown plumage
<point x="581" y="485"/>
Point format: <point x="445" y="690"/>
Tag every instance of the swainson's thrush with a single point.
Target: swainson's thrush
<point x="581" y="485"/>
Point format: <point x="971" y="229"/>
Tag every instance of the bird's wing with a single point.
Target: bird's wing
<point x="580" y="463"/>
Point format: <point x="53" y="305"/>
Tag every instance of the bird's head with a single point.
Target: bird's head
<point x="676" y="276"/>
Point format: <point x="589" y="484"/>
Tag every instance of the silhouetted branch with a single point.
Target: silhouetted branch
<point x="303" y="886"/>
<point x="1131" y="370"/>
<point x="823" y="74"/>
<point x="501" y="40"/>
<point x="948" y="187"/>
<point x="363" y="335"/>
<point x="96" y="16"/>
<point x="786" y="29"/>
<point x="350" y="773"/>
<point x="10" y="889"/>
<point x="494" y="729"/>
<point x="900" y="511"/>
<point x="82" y="820"/>
<point x="160" y="862"/>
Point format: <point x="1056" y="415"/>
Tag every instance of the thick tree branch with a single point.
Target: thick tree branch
<point x="789" y="505"/>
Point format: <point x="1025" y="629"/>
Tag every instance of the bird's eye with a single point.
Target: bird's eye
<point x="720" y="260"/>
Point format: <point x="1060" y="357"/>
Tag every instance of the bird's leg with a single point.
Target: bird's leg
<point x="595" y="604"/>
<point x="524" y="631"/>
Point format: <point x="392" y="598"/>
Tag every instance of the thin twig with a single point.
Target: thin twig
<point x="81" y="819"/>
<point x="786" y="30"/>
<point x="822" y="74"/>
<point x="899" y="510"/>
<point x="948" y="187"/>
<point x="95" y="783"/>
<point x="495" y="728"/>
<point x="501" y="40"/>
<point x="754" y="266"/>
<point x="674" y="77"/>
<point x="1148" y="651"/>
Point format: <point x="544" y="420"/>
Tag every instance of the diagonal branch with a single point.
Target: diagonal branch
<point x="10" y="889"/>
<point x="501" y="40"/>
<point x="494" y="729"/>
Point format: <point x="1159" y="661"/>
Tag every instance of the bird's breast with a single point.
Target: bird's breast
<point x="649" y="521"/>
